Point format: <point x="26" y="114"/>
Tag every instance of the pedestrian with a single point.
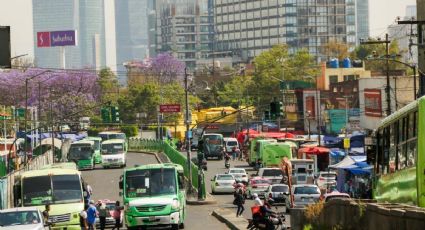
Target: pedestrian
<point x="239" y="201"/>
<point x="103" y="214"/>
<point x="91" y="216"/>
<point x="46" y="213"/>
<point x="234" y="153"/>
<point x="117" y="215"/>
<point x="83" y="218"/>
<point x="257" y="200"/>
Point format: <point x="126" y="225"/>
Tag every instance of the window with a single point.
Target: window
<point x="333" y="79"/>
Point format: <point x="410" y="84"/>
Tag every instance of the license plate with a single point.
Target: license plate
<point x="152" y="218"/>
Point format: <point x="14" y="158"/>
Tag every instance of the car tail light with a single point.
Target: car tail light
<point x="321" y="178"/>
<point x="254" y="186"/>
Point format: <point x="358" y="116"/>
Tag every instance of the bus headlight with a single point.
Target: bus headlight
<point x="175" y="204"/>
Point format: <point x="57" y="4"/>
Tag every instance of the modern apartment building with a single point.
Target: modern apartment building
<point x="362" y="19"/>
<point x="245" y="28"/>
<point x="88" y="19"/>
<point x="183" y="28"/>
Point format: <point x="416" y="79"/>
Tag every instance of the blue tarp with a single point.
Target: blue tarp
<point x="332" y="142"/>
<point x="357" y="141"/>
<point x="337" y="153"/>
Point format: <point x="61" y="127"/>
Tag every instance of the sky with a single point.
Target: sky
<point x="18" y="14"/>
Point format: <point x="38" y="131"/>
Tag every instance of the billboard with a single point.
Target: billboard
<point x="373" y="103"/>
<point x="5" y="47"/>
<point x="57" y="38"/>
<point x="169" y="108"/>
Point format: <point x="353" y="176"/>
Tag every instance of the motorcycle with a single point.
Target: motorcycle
<point x="274" y="221"/>
<point x="227" y="161"/>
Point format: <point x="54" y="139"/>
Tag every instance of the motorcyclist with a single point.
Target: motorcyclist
<point x="268" y="214"/>
<point x="226" y="160"/>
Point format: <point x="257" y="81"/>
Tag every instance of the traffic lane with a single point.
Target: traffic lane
<point x="199" y="217"/>
<point x="226" y="200"/>
<point x="104" y="182"/>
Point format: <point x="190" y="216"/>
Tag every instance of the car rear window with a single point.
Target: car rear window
<point x="237" y="171"/>
<point x="337" y="197"/>
<point x="260" y="182"/>
<point x="272" y="172"/>
<point x="280" y="189"/>
<point x="329" y="175"/>
<point x="224" y="177"/>
<point x="306" y="190"/>
<point x="232" y="143"/>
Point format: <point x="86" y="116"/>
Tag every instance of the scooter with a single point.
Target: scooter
<point x="227" y="164"/>
<point x="259" y="222"/>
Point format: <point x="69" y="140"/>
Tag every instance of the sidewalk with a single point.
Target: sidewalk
<point x="228" y="217"/>
<point x="192" y="199"/>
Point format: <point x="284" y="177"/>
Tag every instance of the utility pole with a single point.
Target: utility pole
<point x="387" y="55"/>
<point x="189" y="176"/>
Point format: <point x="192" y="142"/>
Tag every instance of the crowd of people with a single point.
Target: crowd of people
<point x="90" y="212"/>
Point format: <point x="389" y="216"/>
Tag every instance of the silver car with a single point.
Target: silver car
<point x="279" y="193"/>
<point x="305" y="194"/>
<point x="23" y="218"/>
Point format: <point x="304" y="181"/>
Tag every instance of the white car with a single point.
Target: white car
<point x="305" y="194"/>
<point x="239" y="174"/>
<point x="326" y="179"/>
<point x="272" y="174"/>
<point x="24" y="218"/>
<point x="279" y="193"/>
<point x="222" y="183"/>
<point x="230" y="143"/>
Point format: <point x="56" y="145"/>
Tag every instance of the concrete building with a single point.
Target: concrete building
<point x="373" y="97"/>
<point x="184" y="28"/>
<point x="404" y="35"/>
<point x="362" y="19"/>
<point x="330" y="75"/>
<point x="88" y="19"/>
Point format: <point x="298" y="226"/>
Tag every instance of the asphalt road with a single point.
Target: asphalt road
<point x="105" y="186"/>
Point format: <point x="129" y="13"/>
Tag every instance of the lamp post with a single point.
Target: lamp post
<point x="186" y="89"/>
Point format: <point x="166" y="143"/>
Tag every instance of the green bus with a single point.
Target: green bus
<point x="114" y="153"/>
<point x="154" y="196"/>
<point x="255" y="151"/>
<point x="399" y="159"/>
<point x="60" y="187"/>
<point x="97" y="148"/>
<point x="82" y="153"/>
<point x="272" y="153"/>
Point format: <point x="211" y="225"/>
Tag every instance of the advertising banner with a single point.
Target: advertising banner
<point x="57" y="38"/>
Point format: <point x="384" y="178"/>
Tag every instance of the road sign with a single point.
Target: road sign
<point x="169" y="108"/>
<point x="57" y="38"/>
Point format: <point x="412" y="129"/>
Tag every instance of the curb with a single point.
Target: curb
<point x="209" y="200"/>
<point x="230" y="220"/>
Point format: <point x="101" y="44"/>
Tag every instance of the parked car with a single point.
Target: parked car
<point x="305" y="194"/>
<point x="110" y="221"/>
<point x="279" y="193"/>
<point x="273" y="174"/>
<point x="258" y="185"/>
<point x="239" y="174"/>
<point x="230" y="143"/>
<point x="23" y="218"/>
<point x="326" y="179"/>
<point x="335" y="195"/>
<point x="223" y="183"/>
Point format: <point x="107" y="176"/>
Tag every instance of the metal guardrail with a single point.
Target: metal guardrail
<point x="138" y="144"/>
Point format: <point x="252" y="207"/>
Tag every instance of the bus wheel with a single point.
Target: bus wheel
<point x="174" y="226"/>
<point x="181" y="226"/>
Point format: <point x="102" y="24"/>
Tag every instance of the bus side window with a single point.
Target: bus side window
<point x="181" y="181"/>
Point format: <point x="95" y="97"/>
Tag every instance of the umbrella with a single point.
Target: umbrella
<point x="314" y="150"/>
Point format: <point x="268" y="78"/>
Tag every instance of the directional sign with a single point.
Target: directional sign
<point x="169" y="108"/>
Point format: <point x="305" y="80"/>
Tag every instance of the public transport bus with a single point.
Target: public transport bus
<point x="107" y="135"/>
<point x="154" y="195"/>
<point x="82" y="153"/>
<point x="97" y="148"/>
<point x="213" y="145"/>
<point x="114" y="153"/>
<point x="61" y="187"/>
<point x="399" y="159"/>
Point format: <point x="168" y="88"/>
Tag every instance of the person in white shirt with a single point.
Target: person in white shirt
<point x="257" y="200"/>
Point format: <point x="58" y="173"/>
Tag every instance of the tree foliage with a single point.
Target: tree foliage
<point x="109" y="86"/>
<point x="335" y="49"/>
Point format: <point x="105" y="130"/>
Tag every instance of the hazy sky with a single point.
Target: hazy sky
<point x="18" y="14"/>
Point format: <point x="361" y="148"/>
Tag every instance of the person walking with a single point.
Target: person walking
<point x="234" y="153"/>
<point x="103" y="213"/>
<point x="117" y="215"/>
<point x="239" y="201"/>
<point x="83" y="218"/>
<point x="91" y="216"/>
<point x="46" y="213"/>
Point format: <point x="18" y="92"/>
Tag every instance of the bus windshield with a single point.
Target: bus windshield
<point x="80" y="152"/>
<point x="117" y="136"/>
<point x="96" y="144"/>
<point x="150" y="182"/>
<point x="108" y="149"/>
<point x="56" y="189"/>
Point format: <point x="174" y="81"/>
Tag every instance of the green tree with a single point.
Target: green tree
<point x="109" y="86"/>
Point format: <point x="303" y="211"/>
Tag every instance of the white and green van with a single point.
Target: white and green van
<point x="114" y="153"/>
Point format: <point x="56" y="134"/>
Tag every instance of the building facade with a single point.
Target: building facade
<point x="362" y="19"/>
<point x="334" y="74"/>
<point x="184" y="27"/>
<point x="88" y="19"/>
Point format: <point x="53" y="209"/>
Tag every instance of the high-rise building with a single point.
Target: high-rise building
<point x="404" y="35"/>
<point x="362" y="19"/>
<point x="246" y="27"/>
<point x="89" y="19"/>
<point x="183" y="28"/>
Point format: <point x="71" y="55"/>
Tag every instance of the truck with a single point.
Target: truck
<point x="61" y="188"/>
<point x="255" y="151"/>
<point x="154" y="195"/>
<point x="272" y="153"/>
<point x="82" y="153"/>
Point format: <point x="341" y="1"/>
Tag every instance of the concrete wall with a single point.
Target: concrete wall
<point x="341" y="72"/>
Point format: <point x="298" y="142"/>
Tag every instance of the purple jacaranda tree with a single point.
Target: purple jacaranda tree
<point x="67" y="91"/>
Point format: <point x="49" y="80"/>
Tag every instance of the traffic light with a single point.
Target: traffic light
<point x="279" y="109"/>
<point x="106" y="114"/>
<point x="273" y="111"/>
<point x="115" y="114"/>
<point x="266" y="115"/>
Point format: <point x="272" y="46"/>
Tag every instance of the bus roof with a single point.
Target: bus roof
<point x="401" y="112"/>
<point x="156" y="166"/>
<point x="113" y="141"/>
<point x="64" y="165"/>
<point x="110" y="132"/>
<point x="84" y="141"/>
<point x="50" y="171"/>
<point x="93" y="138"/>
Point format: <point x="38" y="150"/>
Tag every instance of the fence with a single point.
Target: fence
<point x="7" y="182"/>
<point x="174" y="155"/>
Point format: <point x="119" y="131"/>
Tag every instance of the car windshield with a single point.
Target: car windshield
<point x="306" y="190"/>
<point x="224" y="177"/>
<point x="80" y="152"/>
<point x="232" y="143"/>
<point x="55" y="189"/>
<point x="116" y="148"/>
<point x="19" y="218"/>
<point x="237" y="171"/>
<point x="280" y="188"/>
<point x="150" y="182"/>
<point x="260" y="182"/>
<point x="272" y="172"/>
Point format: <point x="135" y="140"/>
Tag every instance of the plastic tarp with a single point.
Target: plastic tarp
<point x="48" y="141"/>
<point x="337" y="153"/>
<point x="357" y="141"/>
<point x="347" y="161"/>
<point x="332" y="142"/>
<point x="313" y="150"/>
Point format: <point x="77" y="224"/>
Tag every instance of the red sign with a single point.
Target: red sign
<point x="372" y="101"/>
<point x="43" y="39"/>
<point x="170" y="108"/>
<point x="213" y="127"/>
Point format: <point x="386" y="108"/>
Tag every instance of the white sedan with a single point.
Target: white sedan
<point x="239" y="174"/>
<point x="222" y="183"/>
